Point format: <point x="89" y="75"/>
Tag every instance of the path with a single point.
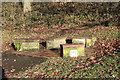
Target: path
<point x="14" y="63"/>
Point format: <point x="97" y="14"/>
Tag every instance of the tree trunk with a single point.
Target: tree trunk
<point x="26" y="6"/>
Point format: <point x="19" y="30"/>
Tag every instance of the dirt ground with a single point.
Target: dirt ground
<point x="15" y="63"/>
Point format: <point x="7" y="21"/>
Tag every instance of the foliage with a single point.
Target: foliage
<point x="104" y="63"/>
<point x="59" y="14"/>
<point x="105" y="60"/>
<point x="107" y="46"/>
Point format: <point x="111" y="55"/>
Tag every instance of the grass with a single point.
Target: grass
<point x="106" y="67"/>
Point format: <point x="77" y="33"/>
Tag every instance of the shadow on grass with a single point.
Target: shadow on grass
<point x="90" y="25"/>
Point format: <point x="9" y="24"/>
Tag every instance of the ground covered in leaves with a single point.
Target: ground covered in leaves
<point x="103" y="67"/>
<point x="103" y="63"/>
<point x="78" y="20"/>
<point x="108" y="43"/>
<point x="69" y="32"/>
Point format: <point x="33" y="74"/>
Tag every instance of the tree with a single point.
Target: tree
<point x="26" y="6"/>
